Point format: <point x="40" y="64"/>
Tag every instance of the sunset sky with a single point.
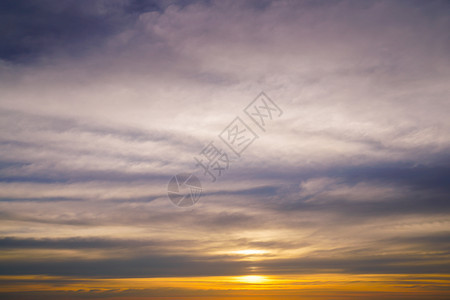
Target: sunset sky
<point x="344" y="194"/>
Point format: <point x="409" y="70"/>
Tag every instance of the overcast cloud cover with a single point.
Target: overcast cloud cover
<point x="102" y="102"/>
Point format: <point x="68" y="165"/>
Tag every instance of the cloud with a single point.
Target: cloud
<point x="103" y="102"/>
<point x="34" y="29"/>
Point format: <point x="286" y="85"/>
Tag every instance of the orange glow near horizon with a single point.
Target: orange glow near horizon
<point x="237" y="285"/>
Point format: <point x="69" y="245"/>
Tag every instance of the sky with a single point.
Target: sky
<point x="342" y="194"/>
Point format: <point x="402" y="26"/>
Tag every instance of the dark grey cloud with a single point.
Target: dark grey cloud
<point x="56" y="176"/>
<point x="44" y="199"/>
<point x="82" y="243"/>
<point x="387" y="264"/>
<point x="32" y="28"/>
<point x="144" y="266"/>
<point x="375" y="259"/>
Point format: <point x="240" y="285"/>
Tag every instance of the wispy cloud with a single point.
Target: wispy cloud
<point x="103" y="101"/>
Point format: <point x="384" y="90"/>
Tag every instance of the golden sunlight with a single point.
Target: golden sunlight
<point x="252" y="279"/>
<point x="250" y="252"/>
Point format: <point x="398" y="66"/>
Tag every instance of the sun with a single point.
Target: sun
<point x="252" y="279"/>
<point x="250" y="252"/>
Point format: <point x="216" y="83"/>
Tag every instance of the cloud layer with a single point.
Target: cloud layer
<point x="104" y="101"/>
